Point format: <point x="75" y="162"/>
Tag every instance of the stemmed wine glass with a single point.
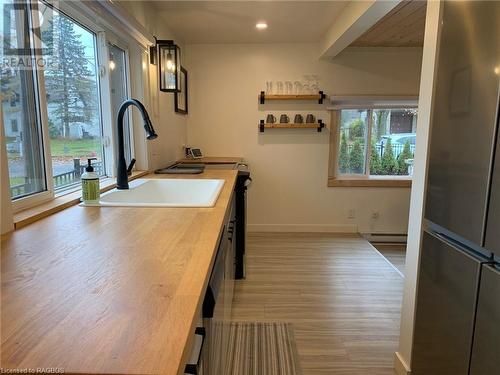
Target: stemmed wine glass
<point x="298" y="87"/>
<point x="269" y="87"/>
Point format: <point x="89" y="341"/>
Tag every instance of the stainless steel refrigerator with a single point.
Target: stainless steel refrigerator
<point x="457" y="325"/>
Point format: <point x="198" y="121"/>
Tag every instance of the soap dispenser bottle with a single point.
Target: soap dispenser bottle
<point x="90" y="184"/>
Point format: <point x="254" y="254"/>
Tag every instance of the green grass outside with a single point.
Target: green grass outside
<point x="79" y="148"/>
<point x="73" y="148"/>
<point x="16" y="181"/>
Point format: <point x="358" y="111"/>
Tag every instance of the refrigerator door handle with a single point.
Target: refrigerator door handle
<point x="459" y="246"/>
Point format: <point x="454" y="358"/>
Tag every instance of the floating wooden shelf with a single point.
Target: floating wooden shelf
<point x="289" y="125"/>
<point x="317" y="125"/>
<point x="319" y="97"/>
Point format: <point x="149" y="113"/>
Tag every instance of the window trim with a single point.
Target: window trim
<point x="364" y="180"/>
<point x="30" y="200"/>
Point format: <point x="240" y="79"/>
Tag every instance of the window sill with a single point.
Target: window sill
<point x="370" y="182"/>
<point x="59" y="203"/>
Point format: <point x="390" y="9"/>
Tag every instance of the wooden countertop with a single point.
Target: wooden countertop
<point x="109" y="289"/>
<point x="213" y="160"/>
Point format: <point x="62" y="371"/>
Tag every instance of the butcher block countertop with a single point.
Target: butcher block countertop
<point x="117" y="290"/>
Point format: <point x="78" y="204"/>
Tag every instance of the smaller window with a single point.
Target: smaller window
<point x="372" y="146"/>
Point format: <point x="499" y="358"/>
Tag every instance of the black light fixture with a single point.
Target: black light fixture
<point x="168" y="57"/>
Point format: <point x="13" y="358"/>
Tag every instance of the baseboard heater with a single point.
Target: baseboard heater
<point x="385" y="237"/>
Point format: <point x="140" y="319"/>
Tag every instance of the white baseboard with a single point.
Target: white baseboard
<point x="386" y="237"/>
<point x="319" y="228"/>
<point x="400" y="365"/>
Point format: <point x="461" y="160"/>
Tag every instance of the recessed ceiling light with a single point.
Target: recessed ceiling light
<point x="261" y="25"/>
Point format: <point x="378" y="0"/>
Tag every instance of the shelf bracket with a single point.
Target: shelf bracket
<point x="261" y="126"/>
<point x="321" y="97"/>
<point x="262" y="97"/>
<point x="321" y="125"/>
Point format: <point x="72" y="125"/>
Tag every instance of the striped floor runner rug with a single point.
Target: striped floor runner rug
<point x="257" y="348"/>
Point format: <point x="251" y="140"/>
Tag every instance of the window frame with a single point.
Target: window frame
<point x="104" y="37"/>
<point x="335" y="179"/>
<point x="93" y="28"/>
<point x="30" y="200"/>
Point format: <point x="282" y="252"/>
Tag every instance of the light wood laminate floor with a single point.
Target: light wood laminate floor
<point x="394" y="252"/>
<point x="341" y="296"/>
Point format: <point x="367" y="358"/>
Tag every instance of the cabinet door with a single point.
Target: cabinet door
<point x="230" y="261"/>
<point x="229" y="274"/>
<point x="216" y="330"/>
<point x="220" y="324"/>
<point x="464" y="117"/>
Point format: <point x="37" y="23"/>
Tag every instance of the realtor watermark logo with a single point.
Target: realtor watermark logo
<point x="28" y="35"/>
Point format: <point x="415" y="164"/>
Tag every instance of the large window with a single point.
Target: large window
<point x="371" y="146"/>
<point x="72" y="99"/>
<point x="62" y="81"/>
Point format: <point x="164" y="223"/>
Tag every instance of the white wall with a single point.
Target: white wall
<point x="290" y="167"/>
<point x="403" y="356"/>
<point x="170" y="126"/>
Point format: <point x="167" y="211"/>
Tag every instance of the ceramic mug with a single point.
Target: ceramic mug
<point x="284" y="119"/>
<point x="270" y="119"/>
<point x="310" y="118"/>
<point x="298" y="119"/>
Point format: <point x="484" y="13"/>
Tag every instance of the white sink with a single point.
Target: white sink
<point x="164" y="193"/>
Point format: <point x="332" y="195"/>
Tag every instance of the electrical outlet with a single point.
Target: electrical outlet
<point x="351" y="214"/>
<point x="375" y="215"/>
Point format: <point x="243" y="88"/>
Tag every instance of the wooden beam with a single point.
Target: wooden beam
<point x="356" y="18"/>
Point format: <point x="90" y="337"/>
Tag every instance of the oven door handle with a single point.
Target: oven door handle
<point x="193" y="365"/>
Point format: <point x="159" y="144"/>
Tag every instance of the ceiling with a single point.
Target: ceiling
<point x="402" y="27"/>
<point x="234" y="21"/>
